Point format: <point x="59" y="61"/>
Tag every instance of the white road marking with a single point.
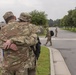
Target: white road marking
<point x="59" y="38"/>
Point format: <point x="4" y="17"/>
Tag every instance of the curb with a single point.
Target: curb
<point x="57" y="63"/>
<point x="51" y="63"/>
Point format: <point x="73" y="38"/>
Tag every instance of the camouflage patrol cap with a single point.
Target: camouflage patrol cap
<point x="7" y="15"/>
<point x="24" y="16"/>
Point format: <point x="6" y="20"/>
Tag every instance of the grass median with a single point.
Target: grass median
<point x="43" y="63"/>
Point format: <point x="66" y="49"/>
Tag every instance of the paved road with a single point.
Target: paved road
<point x="66" y="44"/>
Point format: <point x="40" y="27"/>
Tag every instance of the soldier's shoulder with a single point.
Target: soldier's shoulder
<point x="13" y="23"/>
<point x="32" y="24"/>
<point x="9" y="26"/>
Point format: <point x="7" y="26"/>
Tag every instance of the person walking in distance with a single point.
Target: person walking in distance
<point x="56" y="32"/>
<point x="48" y="36"/>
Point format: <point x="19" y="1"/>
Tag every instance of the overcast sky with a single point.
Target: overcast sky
<point x="55" y="9"/>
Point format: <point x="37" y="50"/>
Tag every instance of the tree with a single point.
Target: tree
<point x="50" y="22"/>
<point x="39" y="18"/>
<point x="74" y="17"/>
<point x="56" y="22"/>
<point x="67" y="20"/>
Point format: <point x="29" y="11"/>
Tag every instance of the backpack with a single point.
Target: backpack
<point x="51" y="33"/>
<point x="38" y="48"/>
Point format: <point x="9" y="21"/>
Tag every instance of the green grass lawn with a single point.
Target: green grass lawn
<point x="43" y="64"/>
<point x="73" y="29"/>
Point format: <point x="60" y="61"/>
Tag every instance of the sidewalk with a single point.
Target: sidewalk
<point x="58" y="65"/>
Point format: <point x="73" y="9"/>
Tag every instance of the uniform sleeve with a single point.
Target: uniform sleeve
<point x="2" y="36"/>
<point x="33" y="28"/>
<point x="27" y="40"/>
<point x="32" y="40"/>
<point x="17" y="39"/>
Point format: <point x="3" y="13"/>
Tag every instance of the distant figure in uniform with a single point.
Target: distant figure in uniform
<point x="56" y="32"/>
<point x="48" y="36"/>
<point x="16" y="39"/>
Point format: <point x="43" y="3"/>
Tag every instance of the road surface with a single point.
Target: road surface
<point x="66" y="44"/>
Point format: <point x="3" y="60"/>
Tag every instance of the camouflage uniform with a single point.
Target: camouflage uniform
<point x="48" y="38"/>
<point x="56" y="31"/>
<point x="25" y="17"/>
<point x="23" y="35"/>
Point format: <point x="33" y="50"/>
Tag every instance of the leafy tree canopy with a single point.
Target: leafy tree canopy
<point x="39" y="18"/>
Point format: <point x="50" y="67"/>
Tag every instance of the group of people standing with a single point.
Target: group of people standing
<point x="18" y="40"/>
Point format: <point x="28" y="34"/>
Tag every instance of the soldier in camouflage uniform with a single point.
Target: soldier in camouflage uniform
<point x="48" y="36"/>
<point x="25" y="17"/>
<point x="16" y="39"/>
